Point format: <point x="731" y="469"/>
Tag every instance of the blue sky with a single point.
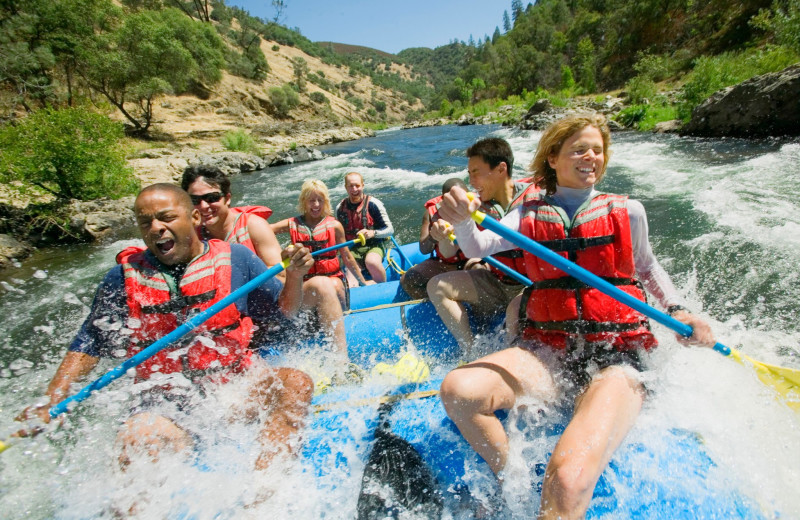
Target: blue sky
<point x="387" y="25"/>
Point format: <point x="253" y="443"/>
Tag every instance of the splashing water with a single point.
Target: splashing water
<point x="723" y="222"/>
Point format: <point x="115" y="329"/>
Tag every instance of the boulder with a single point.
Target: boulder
<point x="668" y="127"/>
<point x="297" y="155"/>
<point x="100" y="219"/>
<point x="232" y="163"/>
<point x="11" y="249"/>
<point x="763" y="106"/>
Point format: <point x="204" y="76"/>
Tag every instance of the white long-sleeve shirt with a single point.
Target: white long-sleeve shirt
<point x="475" y="243"/>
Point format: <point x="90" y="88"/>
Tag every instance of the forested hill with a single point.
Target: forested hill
<point x="600" y="45"/>
<point x="136" y="55"/>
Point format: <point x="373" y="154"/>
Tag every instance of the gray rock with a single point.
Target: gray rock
<point x="11" y="249"/>
<point x="767" y="105"/>
<point x="232" y="163"/>
<point x="668" y="127"/>
<point x="299" y="154"/>
<point x="101" y="218"/>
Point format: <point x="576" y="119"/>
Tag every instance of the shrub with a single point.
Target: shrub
<point x="283" y="99"/>
<point x="640" y="90"/>
<point x="276" y="48"/>
<point x="711" y="74"/>
<point x="72" y="153"/>
<point x="318" y="97"/>
<point x="240" y="141"/>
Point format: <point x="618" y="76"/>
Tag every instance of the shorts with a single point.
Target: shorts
<point x="581" y="361"/>
<point x="360" y="252"/>
<point x="494" y="295"/>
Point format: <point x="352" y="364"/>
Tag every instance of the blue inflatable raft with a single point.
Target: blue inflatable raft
<point x="670" y="476"/>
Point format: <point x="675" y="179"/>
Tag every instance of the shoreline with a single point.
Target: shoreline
<point x="29" y="221"/>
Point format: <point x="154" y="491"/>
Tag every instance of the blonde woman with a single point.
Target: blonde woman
<point x="316" y="229"/>
<point x="575" y="343"/>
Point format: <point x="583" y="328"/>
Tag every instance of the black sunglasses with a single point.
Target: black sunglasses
<point x="210" y="198"/>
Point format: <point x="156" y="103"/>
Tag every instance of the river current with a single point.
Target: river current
<point x="724" y="221"/>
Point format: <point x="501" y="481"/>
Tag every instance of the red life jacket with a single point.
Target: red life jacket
<point x="598" y="239"/>
<point x="432" y="206"/>
<point x="323" y="235"/>
<point x="156" y="310"/>
<point x="239" y="233"/>
<point x="513" y="259"/>
<point x="354" y="220"/>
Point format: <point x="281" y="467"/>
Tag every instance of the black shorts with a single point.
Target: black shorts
<point x="581" y="360"/>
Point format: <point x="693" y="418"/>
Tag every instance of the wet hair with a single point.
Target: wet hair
<point x="493" y="151"/>
<point x="180" y="194"/>
<point x="353" y="173"/>
<point x="553" y="139"/>
<point x="455" y="181"/>
<point x="310" y="186"/>
<point x="211" y="175"/>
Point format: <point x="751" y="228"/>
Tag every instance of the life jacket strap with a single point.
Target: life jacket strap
<point x="571" y="283"/>
<point x="177" y="304"/>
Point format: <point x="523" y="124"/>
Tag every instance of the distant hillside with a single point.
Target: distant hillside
<point x="344" y="48"/>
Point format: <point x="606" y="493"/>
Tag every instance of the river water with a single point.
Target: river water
<point x="724" y="221"/>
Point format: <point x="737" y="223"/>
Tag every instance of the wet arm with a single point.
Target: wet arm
<point x="280" y="227"/>
<point x="347" y="257"/>
<point x="265" y="242"/>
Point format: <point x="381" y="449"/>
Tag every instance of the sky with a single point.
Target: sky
<point x="386" y="25"/>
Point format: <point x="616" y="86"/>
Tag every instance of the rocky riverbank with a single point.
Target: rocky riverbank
<point x="29" y="220"/>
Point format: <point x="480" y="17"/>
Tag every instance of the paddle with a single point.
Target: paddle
<point x="396" y="479"/>
<point x="499" y="265"/>
<point x="785" y="381"/>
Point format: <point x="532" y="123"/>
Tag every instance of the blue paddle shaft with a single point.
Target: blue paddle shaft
<point x="175" y="335"/>
<point x="588" y="278"/>
<point x="501" y="266"/>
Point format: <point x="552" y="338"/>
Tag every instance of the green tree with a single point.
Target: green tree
<point x="150" y="54"/>
<point x="300" y="70"/>
<point x="72" y="153"/>
<point x="284" y="99"/>
<point x="586" y="63"/>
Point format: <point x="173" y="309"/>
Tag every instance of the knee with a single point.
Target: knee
<point x="297" y="384"/>
<point x="570" y="483"/>
<point x="461" y="391"/>
<point x="435" y="288"/>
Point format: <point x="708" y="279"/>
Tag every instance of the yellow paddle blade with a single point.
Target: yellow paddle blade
<point x="785" y="381"/>
<point x="3" y="446"/>
<point x="409" y="369"/>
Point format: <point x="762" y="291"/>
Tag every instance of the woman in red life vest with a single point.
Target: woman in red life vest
<point x="576" y="343"/>
<point x="210" y="190"/>
<point x="316" y="229"/>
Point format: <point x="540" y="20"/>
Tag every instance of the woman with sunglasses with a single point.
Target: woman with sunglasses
<point x="210" y="190"/>
<point x="316" y="229"/>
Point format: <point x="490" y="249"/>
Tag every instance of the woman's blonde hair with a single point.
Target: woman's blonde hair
<point x="553" y="139"/>
<point x="310" y="186"/>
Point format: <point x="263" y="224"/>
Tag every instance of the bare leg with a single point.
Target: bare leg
<point x="374" y="264"/>
<point x="415" y="280"/>
<point x="341" y="291"/>
<point x="288" y="393"/>
<point x="604" y="414"/>
<point x="320" y="293"/>
<point x="472" y="393"/>
<point x="151" y="432"/>
<point x="446" y="292"/>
